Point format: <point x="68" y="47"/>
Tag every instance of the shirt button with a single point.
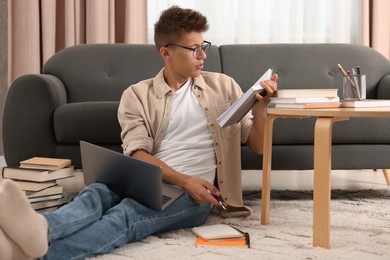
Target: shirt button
<point x="216" y="144"/>
<point x="205" y="109"/>
<point x="221" y="182"/>
<point x="219" y="163"/>
<point x="212" y="125"/>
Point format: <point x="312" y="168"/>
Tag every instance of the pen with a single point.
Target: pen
<point x="219" y="199"/>
<point x="356" y="73"/>
<point x="358" y="70"/>
<point x="346" y="75"/>
<point x="246" y="235"/>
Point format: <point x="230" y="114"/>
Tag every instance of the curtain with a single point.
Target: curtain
<point x="272" y="21"/>
<point x="376" y="25"/>
<point x="39" y="28"/>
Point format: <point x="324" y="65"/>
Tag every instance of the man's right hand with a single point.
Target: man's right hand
<point x="201" y="190"/>
<point x="198" y="188"/>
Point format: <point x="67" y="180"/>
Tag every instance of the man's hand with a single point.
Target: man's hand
<point x="197" y="188"/>
<point x="201" y="190"/>
<point x="255" y="139"/>
<point x="271" y="86"/>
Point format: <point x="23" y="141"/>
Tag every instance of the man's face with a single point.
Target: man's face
<point x="185" y="62"/>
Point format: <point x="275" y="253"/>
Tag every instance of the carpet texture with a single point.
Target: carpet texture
<point x="360" y="229"/>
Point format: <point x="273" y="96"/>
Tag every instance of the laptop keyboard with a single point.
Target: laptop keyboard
<point x="165" y="199"/>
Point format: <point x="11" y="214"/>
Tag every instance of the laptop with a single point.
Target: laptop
<point x="127" y="176"/>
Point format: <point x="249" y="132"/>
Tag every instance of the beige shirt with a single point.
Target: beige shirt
<point x="144" y="116"/>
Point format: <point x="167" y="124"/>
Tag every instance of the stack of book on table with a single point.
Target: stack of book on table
<point x="37" y="177"/>
<point x="366" y="103"/>
<point x="306" y="98"/>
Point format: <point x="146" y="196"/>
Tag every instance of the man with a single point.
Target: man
<point x="169" y="121"/>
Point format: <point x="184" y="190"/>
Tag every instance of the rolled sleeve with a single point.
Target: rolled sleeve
<point x="134" y="132"/>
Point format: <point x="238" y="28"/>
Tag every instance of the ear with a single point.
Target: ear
<point x="164" y="52"/>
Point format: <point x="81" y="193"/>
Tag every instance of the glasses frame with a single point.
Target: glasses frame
<point x="196" y="52"/>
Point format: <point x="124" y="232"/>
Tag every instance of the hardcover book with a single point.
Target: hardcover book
<point x="45" y="163"/>
<point x="220" y="235"/>
<point x="366" y="103"/>
<point x="216" y="232"/>
<point x="300" y="93"/>
<point x="34" y="186"/>
<point x="308" y="105"/>
<point x="243" y="104"/>
<point x="36" y="174"/>
<point x="55" y="190"/>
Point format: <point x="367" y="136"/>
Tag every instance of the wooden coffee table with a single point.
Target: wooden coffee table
<point x="322" y="160"/>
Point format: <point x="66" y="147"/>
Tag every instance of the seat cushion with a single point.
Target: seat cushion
<point x="95" y="122"/>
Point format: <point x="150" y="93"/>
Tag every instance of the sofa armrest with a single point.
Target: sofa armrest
<point x="384" y="88"/>
<point x="28" y="117"/>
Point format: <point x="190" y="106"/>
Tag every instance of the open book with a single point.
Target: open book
<point x="245" y="103"/>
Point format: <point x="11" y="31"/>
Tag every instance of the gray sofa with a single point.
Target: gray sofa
<point x="76" y="98"/>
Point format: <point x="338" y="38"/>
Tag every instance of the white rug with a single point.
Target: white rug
<point x="360" y="229"/>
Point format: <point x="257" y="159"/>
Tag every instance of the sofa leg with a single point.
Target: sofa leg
<point x="386" y="173"/>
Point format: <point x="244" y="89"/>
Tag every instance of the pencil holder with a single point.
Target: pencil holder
<point x="354" y="87"/>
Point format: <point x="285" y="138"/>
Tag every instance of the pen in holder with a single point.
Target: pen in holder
<point x="354" y="87"/>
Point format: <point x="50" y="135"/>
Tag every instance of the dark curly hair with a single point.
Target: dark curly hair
<point x="175" y="21"/>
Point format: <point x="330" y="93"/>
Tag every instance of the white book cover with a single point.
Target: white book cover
<point x="277" y="100"/>
<point x="245" y="103"/>
<point x="218" y="231"/>
<point x="366" y="103"/>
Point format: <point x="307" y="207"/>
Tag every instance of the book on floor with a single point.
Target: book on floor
<point x="36" y="174"/>
<point x="45" y="163"/>
<point x="44" y="198"/>
<point x="218" y="231"/>
<point x="55" y="190"/>
<point x="366" y="103"/>
<point x="48" y="203"/>
<point x="300" y="93"/>
<point x="220" y="235"/>
<point x="308" y="105"/>
<point x="226" y="242"/>
<point x="243" y="104"/>
<point x="34" y="186"/>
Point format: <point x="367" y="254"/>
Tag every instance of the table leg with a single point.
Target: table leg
<point x="322" y="180"/>
<point x="267" y="162"/>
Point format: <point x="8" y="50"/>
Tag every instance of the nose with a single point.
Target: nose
<point x="202" y="55"/>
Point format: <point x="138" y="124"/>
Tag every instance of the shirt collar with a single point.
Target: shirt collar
<point x="162" y="88"/>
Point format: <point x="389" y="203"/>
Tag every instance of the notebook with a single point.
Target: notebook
<point x="127" y="176"/>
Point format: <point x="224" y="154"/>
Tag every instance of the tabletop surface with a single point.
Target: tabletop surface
<point x="332" y="112"/>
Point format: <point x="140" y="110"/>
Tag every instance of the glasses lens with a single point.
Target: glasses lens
<point x="205" y="48"/>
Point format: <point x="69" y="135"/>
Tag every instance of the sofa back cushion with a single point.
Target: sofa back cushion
<point x="311" y="66"/>
<point x="101" y="72"/>
<point x="303" y="65"/>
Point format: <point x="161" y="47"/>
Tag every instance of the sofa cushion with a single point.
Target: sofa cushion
<point x="101" y="72"/>
<point x="95" y="122"/>
<point x="303" y="65"/>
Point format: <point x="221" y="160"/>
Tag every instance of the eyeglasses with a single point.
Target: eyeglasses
<point x="197" y="51"/>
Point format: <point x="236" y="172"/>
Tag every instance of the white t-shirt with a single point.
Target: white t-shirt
<point x="187" y="146"/>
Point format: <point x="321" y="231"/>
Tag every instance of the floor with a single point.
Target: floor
<point x="282" y="180"/>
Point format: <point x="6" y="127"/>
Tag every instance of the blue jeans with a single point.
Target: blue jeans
<point x="97" y="221"/>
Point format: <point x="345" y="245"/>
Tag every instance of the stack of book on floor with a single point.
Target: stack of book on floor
<point x="220" y="235"/>
<point x="37" y="177"/>
<point x="306" y="98"/>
